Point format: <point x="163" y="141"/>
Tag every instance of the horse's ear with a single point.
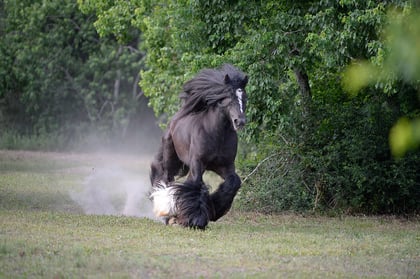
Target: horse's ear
<point x="227" y="79"/>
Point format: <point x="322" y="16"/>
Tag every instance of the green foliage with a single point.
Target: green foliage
<point x="315" y="145"/>
<point x="402" y="62"/>
<point x="308" y="145"/>
<point x="59" y="79"/>
<point x="275" y="183"/>
<point x="352" y="159"/>
<point x="10" y="139"/>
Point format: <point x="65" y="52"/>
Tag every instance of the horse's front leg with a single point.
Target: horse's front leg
<point x="193" y="204"/>
<point x="195" y="174"/>
<point x="222" y="198"/>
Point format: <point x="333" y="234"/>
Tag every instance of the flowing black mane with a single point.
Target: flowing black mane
<point x="210" y="86"/>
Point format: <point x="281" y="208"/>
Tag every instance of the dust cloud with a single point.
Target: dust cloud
<point x="113" y="190"/>
<point x="117" y="176"/>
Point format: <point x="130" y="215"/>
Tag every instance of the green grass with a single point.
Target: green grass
<point x="44" y="234"/>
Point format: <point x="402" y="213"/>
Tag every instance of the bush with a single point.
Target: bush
<point x="13" y="140"/>
<point x="341" y="163"/>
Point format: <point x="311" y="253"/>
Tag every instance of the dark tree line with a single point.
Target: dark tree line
<point x="61" y="82"/>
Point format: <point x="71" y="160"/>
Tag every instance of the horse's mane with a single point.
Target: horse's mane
<point x="210" y="86"/>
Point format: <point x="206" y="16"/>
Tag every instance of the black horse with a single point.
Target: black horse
<point x="201" y="136"/>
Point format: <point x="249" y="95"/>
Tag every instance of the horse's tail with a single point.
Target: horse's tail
<point x="156" y="168"/>
<point x="163" y="198"/>
<point x="187" y="203"/>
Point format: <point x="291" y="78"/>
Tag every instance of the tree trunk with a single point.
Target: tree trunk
<point x="305" y="90"/>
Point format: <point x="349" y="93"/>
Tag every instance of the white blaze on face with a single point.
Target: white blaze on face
<point x="163" y="201"/>
<point x="239" y="93"/>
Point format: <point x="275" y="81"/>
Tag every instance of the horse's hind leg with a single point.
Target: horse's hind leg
<point x="163" y="170"/>
<point x="166" y="164"/>
<point x="222" y="198"/>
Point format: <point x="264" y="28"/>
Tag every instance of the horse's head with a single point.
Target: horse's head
<point x="235" y="101"/>
<point x="223" y="88"/>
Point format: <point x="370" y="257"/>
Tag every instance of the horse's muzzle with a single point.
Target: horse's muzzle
<point x="239" y="123"/>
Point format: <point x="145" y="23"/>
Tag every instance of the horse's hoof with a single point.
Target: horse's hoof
<point x="171" y="221"/>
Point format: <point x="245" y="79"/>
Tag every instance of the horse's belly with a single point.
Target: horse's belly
<point x="224" y="159"/>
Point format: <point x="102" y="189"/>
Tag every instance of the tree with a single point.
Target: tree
<point x="59" y="80"/>
<point x="321" y="147"/>
<point x="398" y="60"/>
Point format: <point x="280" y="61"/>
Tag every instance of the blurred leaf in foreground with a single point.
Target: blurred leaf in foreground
<point x="359" y="75"/>
<point x="405" y="135"/>
<point x="402" y="62"/>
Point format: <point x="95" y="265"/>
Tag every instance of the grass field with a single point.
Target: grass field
<point x="85" y="216"/>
